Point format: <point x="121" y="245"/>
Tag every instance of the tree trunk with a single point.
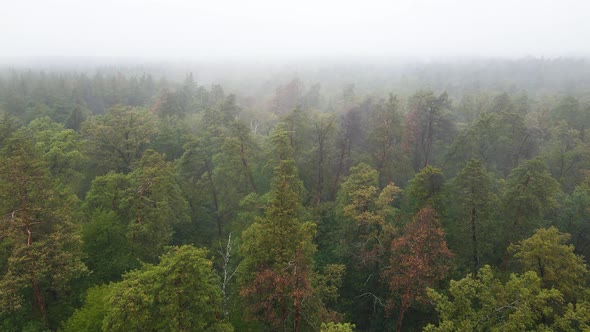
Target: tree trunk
<point x="474" y="241"/>
<point x="246" y="168"/>
<point x="402" y="311"/>
<point x="214" y="194"/>
<point x="320" y="170"/>
<point x="38" y="299"/>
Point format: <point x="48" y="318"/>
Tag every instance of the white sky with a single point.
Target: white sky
<point x="295" y="28"/>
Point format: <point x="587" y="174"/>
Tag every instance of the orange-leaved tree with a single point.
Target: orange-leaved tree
<point x="420" y="257"/>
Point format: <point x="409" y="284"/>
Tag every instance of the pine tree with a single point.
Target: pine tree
<point x="278" y="249"/>
<point x="38" y="229"/>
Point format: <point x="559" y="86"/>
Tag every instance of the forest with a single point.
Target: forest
<point x="449" y="195"/>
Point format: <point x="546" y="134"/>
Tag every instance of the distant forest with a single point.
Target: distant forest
<point x="424" y="195"/>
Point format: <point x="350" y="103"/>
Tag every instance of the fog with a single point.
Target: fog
<point x="265" y="30"/>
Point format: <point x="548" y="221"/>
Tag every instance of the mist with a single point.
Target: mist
<point x="267" y="31"/>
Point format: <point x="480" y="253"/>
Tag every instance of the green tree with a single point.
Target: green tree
<point x="107" y="251"/>
<point x="566" y="154"/>
<point x="159" y="206"/>
<point x="572" y="216"/>
<point x="148" y="202"/>
<point x="499" y="138"/>
<point x="385" y="138"/>
<point x="426" y="188"/>
<point x="278" y="249"/>
<point x="181" y="293"/>
<point x="365" y="226"/>
<point x="90" y="316"/>
<point x="117" y="140"/>
<point x="61" y="150"/>
<point x="337" y="327"/>
<point x="427" y="123"/>
<point x="474" y="200"/>
<point x="39" y="232"/>
<point x="484" y="303"/>
<point x="530" y="193"/>
<point x="547" y="254"/>
<point x="574" y="114"/>
<point x="370" y="213"/>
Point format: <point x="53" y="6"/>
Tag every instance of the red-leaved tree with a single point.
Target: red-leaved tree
<point x="420" y="257"/>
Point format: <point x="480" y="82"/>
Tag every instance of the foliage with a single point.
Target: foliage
<point x="91" y="315"/>
<point x="181" y="293"/>
<point x="117" y="139"/>
<point x="474" y="199"/>
<point x="547" y="254"/>
<point x="530" y="193"/>
<point x="278" y="250"/>
<point x="337" y="327"/>
<point x="40" y="238"/>
<point x="419" y="259"/>
<point x="426" y="189"/>
<point x="484" y="303"/>
<point x="307" y="176"/>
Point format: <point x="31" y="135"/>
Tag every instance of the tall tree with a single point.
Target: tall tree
<point x="278" y="249"/>
<point x="554" y="261"/>
<point x="485" y="303"/>
<point x="147" y="201"/>
<point x="385" y="137"/>
<point x="322" y="131"/>
<point x="426" y="188"/>
<point x="428" y="121"/>
<point x="117" y="140"/>
<point x="38" y="228"/>
<point x="62" y="151"/>
<point x="474" y="199"/>
<point x="180" y="293"/>
<point x="420" y="258"/>
<point x="530" y="193"/>
<point x="366" y="222"/>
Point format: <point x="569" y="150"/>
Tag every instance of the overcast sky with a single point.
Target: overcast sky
<point x="295" y="28"/>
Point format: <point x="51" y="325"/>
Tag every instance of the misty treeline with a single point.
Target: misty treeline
<point x="138" y="203"/>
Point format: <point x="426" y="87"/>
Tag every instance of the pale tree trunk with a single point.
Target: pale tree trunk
<point x="228" y="274"/>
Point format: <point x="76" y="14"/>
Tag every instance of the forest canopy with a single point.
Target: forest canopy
<point x="439" y="196"/>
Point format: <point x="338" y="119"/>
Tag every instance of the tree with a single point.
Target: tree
<point x="337" y="327"/>
<point x="566" y="154"/>
<point x="547" y="254"/>
<point x="322" y="131"/>
<point x="278" y="249"/>
<point x="500" y="139"/>
<point x="574" y="114"/>
<point x="474" y="200"/>
<point x="426" y="189"/>
<point x="38" y="228"/>
<point x="181" y="293"/>
<point x="369" y="211"/>
<point x="572" y="216"/>
<point x="347" y="136"/>
<point x="91" y="315"/>
<point x="385" y="137"/>
<point x="107" y="251"/>
<point x="427" y="122"/>
<point x="117" y="140"/>
<point x="159" y="206"/>
<point x="287" y="97"/>
<point x="530" y="193"/>
<point x="61" y="150"/>
<point x="484" y="303"/>
<point x="365" y="226"/>
<point x="147" y="201"/>
<point x="420" y="258"/>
